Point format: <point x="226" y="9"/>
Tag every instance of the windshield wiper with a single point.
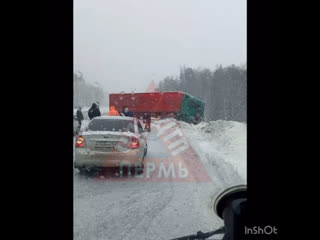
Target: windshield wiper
<point x="200" y="235"/>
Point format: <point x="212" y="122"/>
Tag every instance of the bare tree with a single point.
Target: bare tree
<point x="223" y="90"/>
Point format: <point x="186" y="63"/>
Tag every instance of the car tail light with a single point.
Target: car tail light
<point x="80" y="142"/>
<point x="134" y="143"/>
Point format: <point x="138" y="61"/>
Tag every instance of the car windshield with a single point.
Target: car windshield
<point x="115" y="125"/>
<point x="180" y="69"/>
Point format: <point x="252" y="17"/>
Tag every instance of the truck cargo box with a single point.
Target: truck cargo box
<point x="162" y="102"/>
<point x="179" y="105"/>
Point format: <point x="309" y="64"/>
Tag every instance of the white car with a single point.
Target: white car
<point x="111" y="141"/>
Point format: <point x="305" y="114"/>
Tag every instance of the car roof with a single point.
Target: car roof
<point x="114" y="117"/>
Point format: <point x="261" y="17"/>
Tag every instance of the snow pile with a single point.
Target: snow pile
<point x="220" y="145"/>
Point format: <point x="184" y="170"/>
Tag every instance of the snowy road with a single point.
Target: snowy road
<point x="163" y="210"/>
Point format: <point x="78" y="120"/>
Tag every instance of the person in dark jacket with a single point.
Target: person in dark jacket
<point x="126" y="113"/>
<point x="79" y="116"/>
<point x="147" y="120"/>
<point x="94" y="111"/>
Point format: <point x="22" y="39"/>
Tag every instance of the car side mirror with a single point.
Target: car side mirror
<point x="231" y="206"/>
<point x="229" y="195"/>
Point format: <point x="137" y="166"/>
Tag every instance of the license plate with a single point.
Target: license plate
<point x="104" y="145"/>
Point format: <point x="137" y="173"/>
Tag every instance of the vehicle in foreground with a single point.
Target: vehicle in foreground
<point x="111" y="141"/>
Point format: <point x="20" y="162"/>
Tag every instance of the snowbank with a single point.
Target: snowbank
<point x="221" y="146"/>
<point x="218" y="142"/>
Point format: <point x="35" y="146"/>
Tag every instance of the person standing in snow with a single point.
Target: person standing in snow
<point x="122" y="111"/>
<point x="79" y="116"/>
<point x="125" y="112"/>
<point x="113" y="111"/>
<point x="94" y="111"/>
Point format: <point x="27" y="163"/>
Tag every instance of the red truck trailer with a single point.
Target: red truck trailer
<point x="182" y="105"/>
<point x="153" y="102"/>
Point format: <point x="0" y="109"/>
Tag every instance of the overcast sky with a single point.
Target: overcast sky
<point x="125" y="44"/>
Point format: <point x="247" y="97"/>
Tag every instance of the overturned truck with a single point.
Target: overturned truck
<point x="179" y="105"/>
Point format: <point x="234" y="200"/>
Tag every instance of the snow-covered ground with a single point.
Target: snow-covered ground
<point x="163" y="210"/>
<point x="220" y="143"/>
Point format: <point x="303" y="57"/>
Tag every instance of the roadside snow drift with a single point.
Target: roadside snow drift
<point x="220" y="141"/>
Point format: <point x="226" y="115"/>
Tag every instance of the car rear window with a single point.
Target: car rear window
<point x="111" y="125"/>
